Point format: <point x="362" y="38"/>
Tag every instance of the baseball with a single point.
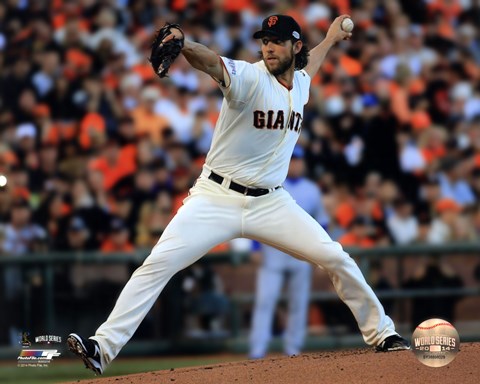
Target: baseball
<point x="435" y="342"/>
<point x="347" y="25"/>
<point x="3" y="181"/>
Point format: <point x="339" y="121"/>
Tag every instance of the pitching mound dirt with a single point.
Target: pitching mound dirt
<point x="350" y="366"/>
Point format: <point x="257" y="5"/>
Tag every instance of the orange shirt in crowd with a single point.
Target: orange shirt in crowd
<point x="450" y="9"/>
<point x="431" y="154"/>
<point x="109" y="246"/>
<point x="349" y="239"/>
<point x="236" y="6"/>
<point x="92" y="125"/>
<point x="148" y="123"/>
<point x="112" y="173"/>
<point x="344" y="214"/>
<point x="476" y="160"/>
<point x="351" y="66"/>
<point x="60" y="131"/>
<point x="144" y="70"/>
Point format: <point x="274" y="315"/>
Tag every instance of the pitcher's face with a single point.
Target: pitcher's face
<point x="277" y="55"/>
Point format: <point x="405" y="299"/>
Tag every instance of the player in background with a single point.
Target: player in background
<point x="239" y="192"/>
<point x="278" y="268"/>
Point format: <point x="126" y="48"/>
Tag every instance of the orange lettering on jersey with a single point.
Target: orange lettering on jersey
<point x="272" y="20"/>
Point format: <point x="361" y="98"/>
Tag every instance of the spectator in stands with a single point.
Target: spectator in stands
<point x="84" y="205"/>
<point x="118" y="239"/>
<point x="77" y="236"/>
<point x="429" y="191"/>
<point x="45" y="168"/>
<point x="453" y="183"/>
<point x="115" y="163"/>
<point x="424" y="227"/>
<point x="449" y="224"/>
<point x="61" y="100"/>
<point x="126" y="131"/>
<point x="17" y="82"/>
<point x="368" y="205"/>
<point x="153" y="219"/>
<point x="43" y="79"/>
<point x="146" y="120"/>
<point x="53" y="215"/>
<point x="387" y="194"/>
<point x="411" y="158"/>
<point x="359" y="234"/>
<point x="96" y="184"/>
<point x="402" y="224"/>
<point x="25" y="135"/>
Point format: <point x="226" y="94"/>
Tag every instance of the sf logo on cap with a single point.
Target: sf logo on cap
<point x="272" y="20"/>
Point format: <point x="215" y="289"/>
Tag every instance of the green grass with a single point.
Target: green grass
<point x="63" y="370"/>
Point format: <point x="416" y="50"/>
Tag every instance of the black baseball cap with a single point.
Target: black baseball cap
<point x="281" y="26"/>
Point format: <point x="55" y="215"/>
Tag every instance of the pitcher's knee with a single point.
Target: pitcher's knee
<point x="332" y="256"/>
<point x="160" y="261"/>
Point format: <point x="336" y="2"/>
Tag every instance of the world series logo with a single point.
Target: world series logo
<point x="435" y="342"/>
<point x="48" y="339"/>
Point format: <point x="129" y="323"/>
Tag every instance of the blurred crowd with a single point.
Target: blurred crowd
<point x="96" y="153"/>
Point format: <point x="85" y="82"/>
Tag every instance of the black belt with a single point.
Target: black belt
<point x="240" y="188"/>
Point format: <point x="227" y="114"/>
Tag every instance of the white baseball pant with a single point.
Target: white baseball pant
<point x="211" y="215"/>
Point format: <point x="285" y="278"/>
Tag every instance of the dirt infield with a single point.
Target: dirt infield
<point x="350" y="366"/>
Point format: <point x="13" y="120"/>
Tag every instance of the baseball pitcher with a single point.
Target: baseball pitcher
<point x="239" y="192"/>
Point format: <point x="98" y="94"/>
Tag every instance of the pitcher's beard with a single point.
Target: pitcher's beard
<point x="282" y="67"/>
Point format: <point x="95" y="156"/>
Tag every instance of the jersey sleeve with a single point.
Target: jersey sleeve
<point x="240" y="80"/>
<point x="304" y="81"/>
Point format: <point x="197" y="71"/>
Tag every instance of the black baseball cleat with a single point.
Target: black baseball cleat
<point x="393" y="343"/>
<point x="88" y="350"/>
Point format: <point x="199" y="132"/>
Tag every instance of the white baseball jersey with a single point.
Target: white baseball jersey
<point x="258" y="126"/>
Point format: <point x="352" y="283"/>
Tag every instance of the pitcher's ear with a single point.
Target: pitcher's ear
<point x="297" y="46"/>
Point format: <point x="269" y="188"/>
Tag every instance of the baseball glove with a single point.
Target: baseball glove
<point x="163" y="54"/>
